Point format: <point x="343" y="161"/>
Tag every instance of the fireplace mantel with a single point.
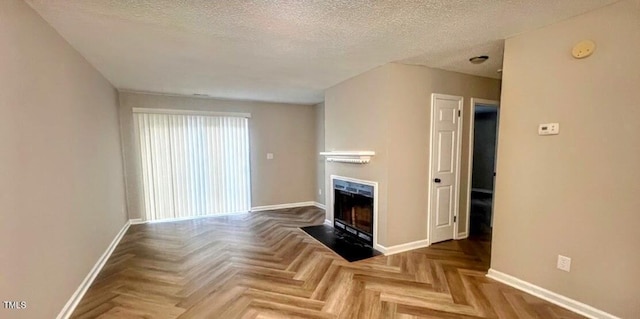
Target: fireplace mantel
<point x="354" y="157"/>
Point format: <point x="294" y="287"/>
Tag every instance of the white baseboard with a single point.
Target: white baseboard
<point x="462" y="235"/>
<point x="328" y="222"/>
<point x="321" y="206"/>
<point x="71" y="305"/>
<point x="136" y="221"/>
<point x="282" y="206"/>
<point x="550" y="296"/>
<point x="402" y="247"/>
<point x="168" y="220"/>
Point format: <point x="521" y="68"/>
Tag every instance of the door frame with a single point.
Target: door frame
<point x="456" y="199"/>
<point x="472" y="120"/>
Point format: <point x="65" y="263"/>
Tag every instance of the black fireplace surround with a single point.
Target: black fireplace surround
<point x="353" y="210"/>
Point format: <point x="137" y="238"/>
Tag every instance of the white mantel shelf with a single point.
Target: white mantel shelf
<point x="353" y="157"/>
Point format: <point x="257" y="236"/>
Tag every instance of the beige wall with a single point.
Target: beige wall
<point x="576" y="193"/>
<point x="409" y="129"/>
<point x="61" y="188"/>
<point x="356" y="119"/>
<point x="320" y="197"/>
<point x="286" y="130"/>
<point x="387" y="110"/>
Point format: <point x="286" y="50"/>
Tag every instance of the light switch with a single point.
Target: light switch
<point x="269" y="156"/>
<point x="549" y="129"/>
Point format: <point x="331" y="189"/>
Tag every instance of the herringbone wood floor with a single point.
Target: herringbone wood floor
<point x="260" y="265"/>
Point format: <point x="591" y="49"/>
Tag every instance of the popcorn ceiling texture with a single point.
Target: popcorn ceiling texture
<point x="288" y="51"/>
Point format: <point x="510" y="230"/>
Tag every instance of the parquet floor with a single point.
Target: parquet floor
<point x="260" y="265"/>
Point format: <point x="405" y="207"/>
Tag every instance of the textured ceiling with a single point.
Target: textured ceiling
<point x="288" y="51"/>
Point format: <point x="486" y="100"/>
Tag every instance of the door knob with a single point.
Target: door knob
<point x="437" y="180"/>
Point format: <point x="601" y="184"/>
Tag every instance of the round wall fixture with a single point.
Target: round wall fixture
<point x="479" y="59"/>
<point x="583" y="49"/>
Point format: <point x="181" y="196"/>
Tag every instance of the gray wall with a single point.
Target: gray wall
<point x="286" y="130"/>
<point x="387" y="110"/>
<point x="484" y="149"/>
<point x="576" y="193"/>
<point x="62" y="197"/>
<point x="320" y="187"/>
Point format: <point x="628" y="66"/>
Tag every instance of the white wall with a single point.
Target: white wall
<point x="61" y="178"/>
<point x="577" y="193"/>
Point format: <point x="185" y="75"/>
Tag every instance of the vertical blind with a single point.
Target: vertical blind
<point x="193" y="165"/>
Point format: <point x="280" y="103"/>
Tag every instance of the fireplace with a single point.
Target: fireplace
<point x="353" y="209"/>
<point x="353" y="235"/>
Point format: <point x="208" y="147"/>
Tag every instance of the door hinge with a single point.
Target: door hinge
<point x="459" y="112"/>
<point x="455" y="218"/>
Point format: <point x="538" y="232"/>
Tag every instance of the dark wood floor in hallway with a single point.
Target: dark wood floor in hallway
<point x="260" y="265"/>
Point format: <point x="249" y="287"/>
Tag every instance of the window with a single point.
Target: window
<point x="193" y="164"/>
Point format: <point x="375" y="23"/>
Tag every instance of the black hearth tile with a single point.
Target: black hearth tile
<point x="344" y="245"/>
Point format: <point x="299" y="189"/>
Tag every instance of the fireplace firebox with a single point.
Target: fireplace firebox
<point x="353" y="209"/>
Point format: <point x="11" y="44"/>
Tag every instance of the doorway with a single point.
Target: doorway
<point x="483" y="139"/>
<point x="444" y="172"/>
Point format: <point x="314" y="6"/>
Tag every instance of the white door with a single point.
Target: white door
<point x="445" y="152"/>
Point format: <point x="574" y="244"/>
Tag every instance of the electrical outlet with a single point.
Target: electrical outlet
<point x="319" y="191"/>
<point x="269" y="156"/>
<point x="564" y="263"/>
